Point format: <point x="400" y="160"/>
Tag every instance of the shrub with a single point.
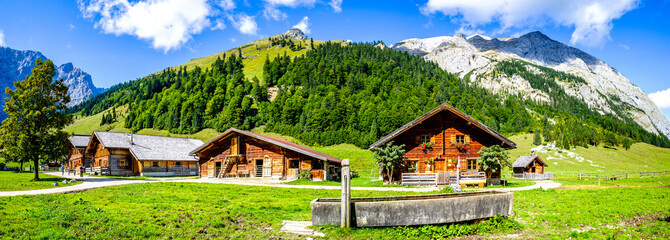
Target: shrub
<point x="305" y="175"/>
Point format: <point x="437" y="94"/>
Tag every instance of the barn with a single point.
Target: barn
<point x="239" y="153"/>
<point x="124" y="154"/>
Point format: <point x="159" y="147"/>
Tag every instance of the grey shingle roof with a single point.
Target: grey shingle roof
<point x="80" y="141"/>
<point x="523" y="161"/>
<point x="146" y="147"/>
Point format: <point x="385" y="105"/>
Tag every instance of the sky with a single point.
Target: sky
<point x="120" y="40"/>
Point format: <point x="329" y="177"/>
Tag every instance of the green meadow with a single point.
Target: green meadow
<point x="205" y="211"/>
<point x="18" y="181"/>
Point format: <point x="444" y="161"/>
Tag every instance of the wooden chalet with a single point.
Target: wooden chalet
<point x="439" y="140"/>
<point x="528" y="164"/>
<point x="238" y="153"/>
<point x="123" y="154"/>
<point x="76" y="157"/>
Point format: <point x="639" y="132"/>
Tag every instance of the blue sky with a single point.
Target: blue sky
<point x="120" y="40"/>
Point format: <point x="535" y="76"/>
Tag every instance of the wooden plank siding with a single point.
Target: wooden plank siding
<point x="252" y="154"/>
<point x="442" y="131"/>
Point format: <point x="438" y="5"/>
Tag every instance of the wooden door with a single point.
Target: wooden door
<point x="267" y="167"/>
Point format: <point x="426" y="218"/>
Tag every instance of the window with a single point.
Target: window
<point x="472" y="164"/>
<point x="425" y="139"/>
<point x="155" y="164"/>
<point x="294" y="164"/>
<point x="460" y="139"/>
<point x="177" y="164"/>
<point x="122" y="163"/>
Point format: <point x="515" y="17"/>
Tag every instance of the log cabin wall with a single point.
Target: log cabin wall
<point x="76" y="157"/>
<point x="120" y="162"/>
<point x="443" y="131"/>
<point x="254" y="150"/>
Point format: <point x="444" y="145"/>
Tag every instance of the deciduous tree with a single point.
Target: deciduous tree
<point x="37" y="110"/>
<point x="493" y="159"/>
<point x="390" y="158"/>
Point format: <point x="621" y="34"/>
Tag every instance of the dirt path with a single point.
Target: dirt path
<point x="99" y="182"/>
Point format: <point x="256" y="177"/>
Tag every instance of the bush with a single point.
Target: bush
<point x="305" y="175"/>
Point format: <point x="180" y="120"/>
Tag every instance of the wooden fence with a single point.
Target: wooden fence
<point x="608" y="176"/>
<point x="532" y="176"/>
<point x="441" y="178"/>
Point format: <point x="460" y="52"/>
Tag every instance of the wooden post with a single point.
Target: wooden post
<point x="580" y="176"/>
<point x="345" y="220"/>
<point x="626" y="175"/>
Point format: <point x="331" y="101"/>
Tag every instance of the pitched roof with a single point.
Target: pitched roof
<point x="275" y="141"/>
<point x="79" y="141"/>
<point x="523" y="161"/>
<point x="146" y="147"/>
<point x="438" y="109"/>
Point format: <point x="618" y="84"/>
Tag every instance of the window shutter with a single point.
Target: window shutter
<point x="453" y="139"/>
<point x="432" y="139"/>
<point x="467" y="139"/>
<point x="418" y="139"/>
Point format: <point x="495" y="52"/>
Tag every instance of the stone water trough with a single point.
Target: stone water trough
<point x="414" y="210"/>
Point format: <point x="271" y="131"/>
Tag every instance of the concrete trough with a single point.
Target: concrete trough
<point x="414" y="210"/>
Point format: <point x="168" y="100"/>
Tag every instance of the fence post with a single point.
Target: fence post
<point x="626" y="175"/>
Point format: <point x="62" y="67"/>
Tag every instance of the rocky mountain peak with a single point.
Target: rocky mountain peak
<point x="459" y="35"/>
<point x="604" y="90"/>
<point x="536" y="35"/>
<point x="295" y="34"/>
<point x="15" y="65"/>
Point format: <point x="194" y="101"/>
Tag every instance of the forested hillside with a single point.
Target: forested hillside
<point x="346" y="93"/>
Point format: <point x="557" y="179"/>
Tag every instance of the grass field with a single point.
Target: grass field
<point x="202" y="211"/>
<point x="18" y="181"/>
<point x="641" y="157"/>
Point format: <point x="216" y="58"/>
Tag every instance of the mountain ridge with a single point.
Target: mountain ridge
<point x="15" y="65"/>
<point x="478" y="56"/>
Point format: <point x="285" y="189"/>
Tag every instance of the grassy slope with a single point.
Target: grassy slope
<point x="17" y="181"/>
<point x="254" y="55"/>
<point x="641" y="157"/>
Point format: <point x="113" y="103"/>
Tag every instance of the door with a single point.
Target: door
<point x="258" y="168"/>
<point x="217" y="169"/>
<point x="267" y="167"/>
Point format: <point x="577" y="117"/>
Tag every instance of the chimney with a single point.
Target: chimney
<point x="130" y="136"/>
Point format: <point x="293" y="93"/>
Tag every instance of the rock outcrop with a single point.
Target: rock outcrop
<point x="476" y="57"/>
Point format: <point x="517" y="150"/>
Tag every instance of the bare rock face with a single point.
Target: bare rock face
<point x="295" y="34"/>
<point x="15" y="65"/>
<point x="475" y="58"/>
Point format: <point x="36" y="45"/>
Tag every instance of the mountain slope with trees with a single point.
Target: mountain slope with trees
<point x="344" y="93"/>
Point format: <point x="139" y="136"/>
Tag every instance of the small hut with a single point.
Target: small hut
<point x="528" y="164"/>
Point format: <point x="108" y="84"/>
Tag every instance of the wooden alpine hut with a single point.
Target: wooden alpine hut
<point x="76" y="157"/>
<point x="439" y="142"/>
<point x="124" y="154"/>
<point x="530" y="166"/>
<point x="238" y="153"/>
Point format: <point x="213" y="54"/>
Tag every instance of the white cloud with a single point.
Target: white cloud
<point x="336" y="5"/>
<point x="244" y="23"/>
<point x="592" y="19"/>
<point x="227" y="5"/>
<point x="71" y="26"/>
<point x="2" y="38"/>
<point x="219" y="25"/>
<point x="291" y="3"/>
<point x="271" y="11"/>
<point x="661" y="98"/>
<point x="167" y="24"/>
<point x="303" y="25"/>
<point x="624" y="46"/>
